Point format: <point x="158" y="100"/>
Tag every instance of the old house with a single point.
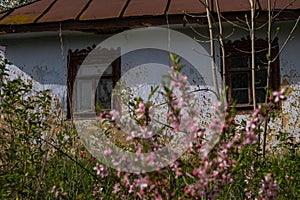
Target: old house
<point x="49" y="40"/>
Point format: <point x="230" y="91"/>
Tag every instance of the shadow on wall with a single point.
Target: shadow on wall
<point x="157" y="57"/>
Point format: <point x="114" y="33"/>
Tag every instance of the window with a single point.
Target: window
<point x="85" y="91"/>
<point x="239" y="74"/>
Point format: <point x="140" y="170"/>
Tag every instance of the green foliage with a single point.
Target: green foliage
<point x="251" y="169"/>
<point x="37" y="149"/>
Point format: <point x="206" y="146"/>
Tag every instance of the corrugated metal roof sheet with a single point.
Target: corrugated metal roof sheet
<point x="2" y="15"/>
<point x="103" y="9"/>
<point x="64" y="10"/>
<point x="280" y="4"/>
<point x="142" y="7"/>
<point x="233" y="6"/>
<point x="107" y="12"/>
<point x="27" y="14"/>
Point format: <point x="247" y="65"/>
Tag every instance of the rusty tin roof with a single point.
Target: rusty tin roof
<point x="43" y="15"/>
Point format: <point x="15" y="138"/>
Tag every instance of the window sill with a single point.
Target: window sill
<point x="85" y="115"/>
<point x="245" y="109"/>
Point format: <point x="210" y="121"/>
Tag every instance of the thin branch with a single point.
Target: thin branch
<point x="203" y="41"/>
<point x="206" y="90"/>
<point x="268" y="73"/>
<point x="204" y="54"/>
<point x="287" y="39"/>
<point x="234" y="24"/>
<point x="194" y="91"/>
<point x="212" y="50"/>
<point x="257" y="51"/>
<point x="222" y="49"/>
<point x="193" y="29"/>
<point x="72" y="159"/>
<point x="242" y="21"/>
<point x="285" y="7"/>
<point x="247" y="21"/>
<point x="195" y="16"/>
<point x="275" y="35"/>
<point x="261" y="26"/>
<point x="272" y="17"/>
<point x="252" y="34"/>
<point x="229" y="35"/>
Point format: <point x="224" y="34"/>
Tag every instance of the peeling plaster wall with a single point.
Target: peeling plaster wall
<point x="289" y="120"/>
<point x="44" y="57"/>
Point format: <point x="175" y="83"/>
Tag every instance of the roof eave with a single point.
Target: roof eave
<point x="119" y="24"/>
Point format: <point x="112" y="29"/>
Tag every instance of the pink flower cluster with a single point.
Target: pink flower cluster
<point x="101" y="170"/>
<point x="250" y="136"/>
<point x="211" y="170"/>
<point x="268" y="189"/>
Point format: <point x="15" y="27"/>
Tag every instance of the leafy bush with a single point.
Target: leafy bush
<point x="39" y="152"/>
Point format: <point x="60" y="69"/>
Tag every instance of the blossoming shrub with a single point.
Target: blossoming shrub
<point x="233" y="168"/>
<point x="41" y="156"/>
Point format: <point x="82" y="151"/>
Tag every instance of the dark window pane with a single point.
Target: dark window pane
<point x="240" y="62"/>
<point x="240" y="95"/>
<point x="260" y="95"/>
<point x="261" y="78"/>
<point x="103" y="93"/>
<point x="261" y="62"/>
<point x="239" y="80"/>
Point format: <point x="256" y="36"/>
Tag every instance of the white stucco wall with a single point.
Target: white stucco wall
<point x="44" y="57"/>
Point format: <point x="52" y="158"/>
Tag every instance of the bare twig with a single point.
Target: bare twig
<point x="229" y="35"/>
<point x="197" y="32"/>
<point x="285" y="7"/>
<point x="287" y="39"/>
<point x="204" y="54"/>
<point x="212" y="50"/>
<point x="234" y="24"/>
<point x="72" y="159"/>
<point x="247" y="21"/>
<point x="195" y="16"/>
<point x="261" y="26"/>
<point x="257" y="51"/>
<point x="268" y="74"/>
<point x="252" y="35"/>
<point x="222" y="49"/>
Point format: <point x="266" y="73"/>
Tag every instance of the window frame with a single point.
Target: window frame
<point x="75" y="59"/>
<point x="240" y="48"/>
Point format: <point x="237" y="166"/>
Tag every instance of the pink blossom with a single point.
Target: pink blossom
<point x="114" y="115"/>
<point x="101" y="170"/>
<point x="107" y="152"/>
<point x="268" y="188"/>
<point x="279" y="95"/>
<point x="116" y="188"/>
<point x="67" y="138"/>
